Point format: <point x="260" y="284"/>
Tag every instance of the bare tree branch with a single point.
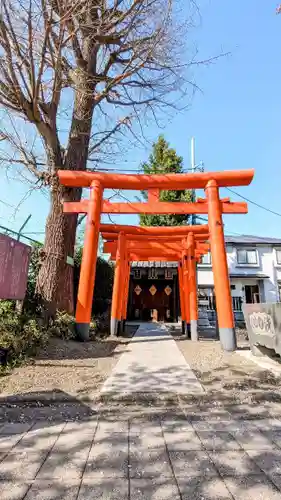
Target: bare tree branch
<point x="79" y="82"/>
<point x="84" y="59"/>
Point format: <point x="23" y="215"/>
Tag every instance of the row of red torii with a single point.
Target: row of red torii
<point x="184" y="244"/>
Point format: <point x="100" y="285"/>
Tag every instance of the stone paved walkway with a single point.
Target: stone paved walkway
<point x="157" y="456"/>
<point x="141" y="460"/>
<point x="152" y="364"/>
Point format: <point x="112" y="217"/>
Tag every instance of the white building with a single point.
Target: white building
<point x="255" y="276"/>
<point x="254" y="268"/>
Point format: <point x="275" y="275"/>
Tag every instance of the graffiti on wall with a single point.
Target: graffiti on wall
<point x="262" y="323"/>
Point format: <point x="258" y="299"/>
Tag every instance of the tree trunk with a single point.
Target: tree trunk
<point x="55" y="278"/>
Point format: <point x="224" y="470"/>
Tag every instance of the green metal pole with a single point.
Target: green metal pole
<point x="23" y="226"/>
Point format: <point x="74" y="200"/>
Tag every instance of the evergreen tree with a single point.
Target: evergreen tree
<point x="164" y="160"/>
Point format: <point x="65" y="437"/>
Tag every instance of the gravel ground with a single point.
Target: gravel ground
<point x="221" y="372"/>
<point x="64" y="369"/>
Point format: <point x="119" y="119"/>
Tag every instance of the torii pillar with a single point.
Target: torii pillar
<point x="181" y="295"/>
<point x="192" y="286"/>
<point x="117" y="293"/>
<point x="220" y="269"/>
<point x="88" y="264"/>
<point x="124" y="304"/>
<point x="186" y="292"/>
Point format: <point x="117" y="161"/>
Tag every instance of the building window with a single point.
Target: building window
<point x="206" y="259"/>
<point x="247" y="256"/>
<point x="278" y="256"/>
<point x="168" y="274"/>
<point x="152" y="273"/>
<point x="252" y="294"/>
<point x="137" y="274"/>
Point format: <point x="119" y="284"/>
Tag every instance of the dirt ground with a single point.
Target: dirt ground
<point x="222" y="372"/>
<point x="65" y="368"/>
<point x="68" y="368"/>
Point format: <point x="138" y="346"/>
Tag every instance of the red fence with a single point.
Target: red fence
<point x="14" y="261"/>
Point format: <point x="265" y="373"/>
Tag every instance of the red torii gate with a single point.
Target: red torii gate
<point x="213" y="206"/>
<point x="155" y="250"/>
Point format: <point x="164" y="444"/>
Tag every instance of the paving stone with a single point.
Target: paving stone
<point x="13" y="490"/>
<point x="53" y="490"/>
<point x="138" y="426"/>
<point x="223" y="425"/>
<point x="203" y="488"/>
<point x="154" y="489"/>
<point x="73" y="441"/>
<point x="111" y="440"/>
<point x="274" y="436"/>
<point x="237" y="426"/>
<point x="104" y="489"/>
<point x="234" y="463"/>
<point x="268" y="424"/>
<point x="191" y="463"/>
<point x="218" y="440"/>
<point x="171" y="425"/>
<point x="147" y="441"/>
<point x="106" y="462"/>
<point x="60" y="465"/>
<point x="149" y="464"/>
<point x="276" y="479"/>
<point x="110" y="427"/>
<point x="17" y="428"/>
<point x="48" y="427"/>
<point x="256" y="487"/>
<point x="182" y="441"/>
<point x="22" y="465"/>
<point x="7" y="443"/>
<point x="253" y="440"/>
<point x="68" y="456"/>
<point x="40" y="438"/>
<point x="85" y="426"/>
<point x="212" y="414"/>
<point x="268" y="461"/>
<point x="202" y="425"/>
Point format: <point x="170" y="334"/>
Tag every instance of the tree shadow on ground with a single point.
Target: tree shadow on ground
<point x="260" y="385"/>
<point x="167" y="453"/>
<point x="58" y="349"/>
<point x="159" y="445"/>
<point x="223" y="385"/>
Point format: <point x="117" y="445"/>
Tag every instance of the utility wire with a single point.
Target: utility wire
<point x="253" y="202"/>
<point x="226" y="232"/>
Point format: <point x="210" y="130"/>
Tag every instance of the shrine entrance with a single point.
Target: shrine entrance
<point x="153" y="300"/>
<point x="184" y="245"/>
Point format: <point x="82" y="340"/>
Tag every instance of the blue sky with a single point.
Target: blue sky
<point x="235" y="118"/>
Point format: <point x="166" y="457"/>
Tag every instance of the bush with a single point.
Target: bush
<point x="33" y="303"/>
<point x="63" y="326"/>
<point x="103" y="283"/>
<point x="20" y="334"/>
<point x="23" y="334"/>
<point x="7" y="308"/>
